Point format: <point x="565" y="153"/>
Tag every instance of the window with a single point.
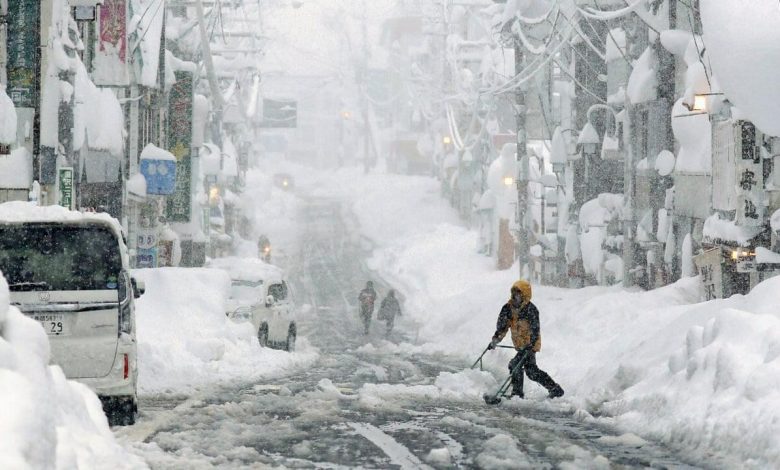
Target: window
<point x="59" y="257"/>
<point x="278" y="291"/>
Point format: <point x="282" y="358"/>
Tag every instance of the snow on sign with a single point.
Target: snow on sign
<point x="279" y="113"/>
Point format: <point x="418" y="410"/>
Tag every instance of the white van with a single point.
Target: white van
<point x="69" y="271"/>
<point x="260" y="294"/>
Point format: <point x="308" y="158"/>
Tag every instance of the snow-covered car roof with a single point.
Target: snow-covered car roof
<point x="248" y="269"/>
<point x="19" y="212"/>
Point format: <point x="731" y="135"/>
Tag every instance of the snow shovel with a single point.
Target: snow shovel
<point x="495" y="399"/>
<point x="479" y="359"/>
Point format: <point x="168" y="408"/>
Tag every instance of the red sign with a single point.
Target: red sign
<point x="111" y="58"/>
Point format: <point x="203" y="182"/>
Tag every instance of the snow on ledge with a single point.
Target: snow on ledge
<point x="153" y="152"/>
<point x="717" y="229"/>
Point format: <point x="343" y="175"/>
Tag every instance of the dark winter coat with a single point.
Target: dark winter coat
<point x="389" y="308"/>
<point x="523" y="321"/>
<point x="367" y="298"/>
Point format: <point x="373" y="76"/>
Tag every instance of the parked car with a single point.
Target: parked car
<point x="260" y="294"/>
<point x="70" y="272"/>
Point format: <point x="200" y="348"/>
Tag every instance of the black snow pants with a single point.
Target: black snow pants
<point x="529" y="368"/>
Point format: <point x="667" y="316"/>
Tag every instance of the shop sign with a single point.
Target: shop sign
<point x="180" y="107"/>
<point x="111" y="53"/>
<point x="146" y="258"/>
<point x="750" y="178"/>
<point x="709" y="264"/>
<point x="65" y="187"/>
<point x="22" y="42"/>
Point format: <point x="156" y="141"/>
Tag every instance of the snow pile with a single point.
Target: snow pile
<point x="699" y="377"/>
<point x="185" y="340"/>
<point x="465" y="385"/>
<point x="743" y="43"/>
<point x="47" y="421"/>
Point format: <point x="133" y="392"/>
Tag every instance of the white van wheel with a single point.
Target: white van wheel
<point x="120" y="411"/>
<point x="262" y="335"/>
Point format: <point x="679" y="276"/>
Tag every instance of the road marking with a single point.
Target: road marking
<point x="397" y="452"/>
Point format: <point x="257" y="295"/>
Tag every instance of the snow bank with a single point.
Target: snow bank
<point x="700" y="377"/>
<point x="47" y="421"/>
<point x="185" y="340"/>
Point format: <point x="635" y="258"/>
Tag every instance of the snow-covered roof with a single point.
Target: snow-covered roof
<point x="248" y="269"/>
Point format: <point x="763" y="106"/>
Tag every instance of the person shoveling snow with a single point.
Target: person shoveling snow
<point x="521" y="317"/>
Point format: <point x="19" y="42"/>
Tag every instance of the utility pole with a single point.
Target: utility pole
<point x="523" y="244"/>
<point x="364" y="95"/>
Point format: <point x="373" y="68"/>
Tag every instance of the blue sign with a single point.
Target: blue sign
<point x="146" y="258"/>
<point x="160" y="176"/>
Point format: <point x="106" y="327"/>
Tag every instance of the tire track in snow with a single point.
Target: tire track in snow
<point x="395" y="451"/>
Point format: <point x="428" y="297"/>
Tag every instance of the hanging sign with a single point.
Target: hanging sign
<point x="65" y="187"/>
<point x="110" y="62"/>
<point x="180" y="106"/>
<point x="22" y="42"/>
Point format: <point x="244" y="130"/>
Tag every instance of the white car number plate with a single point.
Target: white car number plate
<point x="53" y="323"/>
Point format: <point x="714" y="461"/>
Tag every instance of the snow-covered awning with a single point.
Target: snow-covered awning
<point x="717" y="230"/>
<point x="98" y="120"/>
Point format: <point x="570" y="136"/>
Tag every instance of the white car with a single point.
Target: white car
<point x="69" y="271"/>
<point x="260" y="294"/>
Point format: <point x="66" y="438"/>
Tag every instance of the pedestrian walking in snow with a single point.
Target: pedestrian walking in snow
<point x="388" y="309"/>
<point x="521" y="317"/>
<point x="366" y="298"/>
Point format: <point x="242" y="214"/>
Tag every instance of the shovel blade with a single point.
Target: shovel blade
<point x="491" y="399"/>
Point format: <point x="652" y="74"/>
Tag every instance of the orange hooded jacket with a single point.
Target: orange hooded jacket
<point x="523" y="321"/>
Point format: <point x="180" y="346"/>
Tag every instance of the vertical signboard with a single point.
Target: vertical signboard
<point x="750" y="178"/>
<point x="180" y="102"/>
<point x="110" y="63"/>
<point x="23" y="40"/>
<point x="65" y="187"/>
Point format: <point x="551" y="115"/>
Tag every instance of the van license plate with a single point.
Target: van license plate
<point x="53" y="324"/>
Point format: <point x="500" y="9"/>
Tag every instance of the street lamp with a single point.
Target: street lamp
<point x="588" y="140"/>
<point x="446" y="140"/>
<point x="509" y="181"/>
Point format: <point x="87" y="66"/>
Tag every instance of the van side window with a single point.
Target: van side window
<point x="278" y="291"/>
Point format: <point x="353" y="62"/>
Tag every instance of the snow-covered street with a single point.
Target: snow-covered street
<point x="489" y="234"/>
<point x="370" y="401"/>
